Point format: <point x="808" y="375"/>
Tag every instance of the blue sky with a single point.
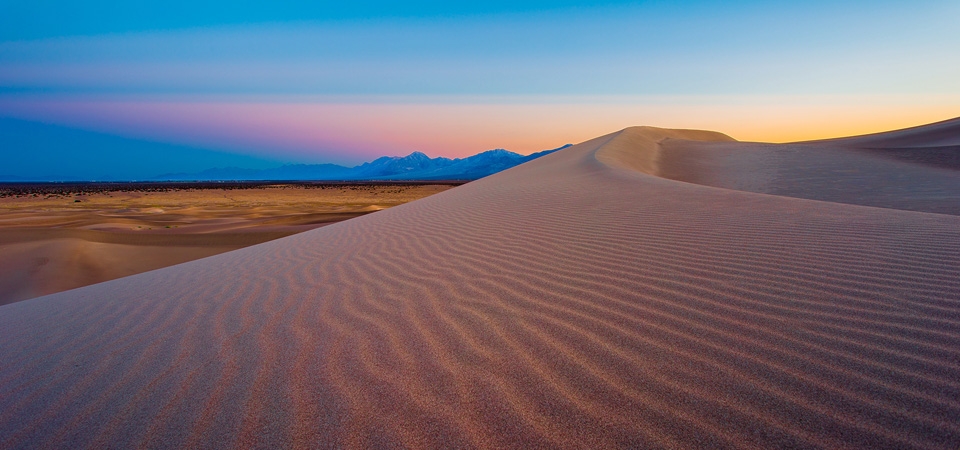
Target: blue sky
<point x="693" y="48"/>
<point x="335" y="82"/>
<point x="32" y="19"/>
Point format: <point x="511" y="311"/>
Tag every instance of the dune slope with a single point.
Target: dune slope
<point x="916" y="169"/>
<point x="576" y="301"/>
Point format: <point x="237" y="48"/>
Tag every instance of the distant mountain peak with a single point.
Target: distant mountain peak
<point x="415" y="166"/>
<point x="498" y="151"/>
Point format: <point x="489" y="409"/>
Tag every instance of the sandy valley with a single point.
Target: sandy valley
<point x="55" y="237"/>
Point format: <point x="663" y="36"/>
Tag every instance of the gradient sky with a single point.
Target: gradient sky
<point x="98" y="89"/>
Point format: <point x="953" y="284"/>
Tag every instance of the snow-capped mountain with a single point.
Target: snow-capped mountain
<point x="415" y="166"/>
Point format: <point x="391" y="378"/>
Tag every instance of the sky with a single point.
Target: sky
<point x="106" y="89"/>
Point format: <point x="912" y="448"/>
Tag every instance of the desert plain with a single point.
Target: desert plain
<point x="60" y="236"/>
<point x="649" y="288"/>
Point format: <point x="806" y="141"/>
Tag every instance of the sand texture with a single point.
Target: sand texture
<point x="581" y="300"/>
<point x="66" y="237"/>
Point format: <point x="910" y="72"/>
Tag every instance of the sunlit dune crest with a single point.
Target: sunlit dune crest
<point x="648" y="288"/>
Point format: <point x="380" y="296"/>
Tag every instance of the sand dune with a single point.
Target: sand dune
<point x="577" y="301"/>
<point x="40" y="267"/>
<point x="914" y="169"/>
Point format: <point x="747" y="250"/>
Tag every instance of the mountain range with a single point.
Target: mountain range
<point x="415" y="166"/>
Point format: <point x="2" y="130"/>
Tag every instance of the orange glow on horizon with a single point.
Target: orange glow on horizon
<point x="458" y="129"/>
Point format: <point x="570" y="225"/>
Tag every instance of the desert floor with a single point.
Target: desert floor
<point x="57" y="237"/>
